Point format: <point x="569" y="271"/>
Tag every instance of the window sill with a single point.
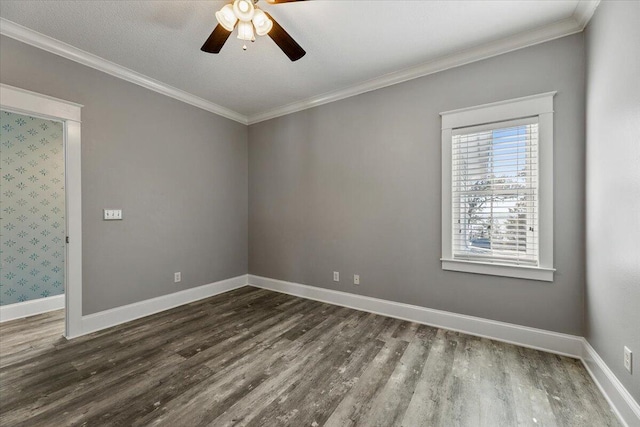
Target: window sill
<point x="518" y="271"/>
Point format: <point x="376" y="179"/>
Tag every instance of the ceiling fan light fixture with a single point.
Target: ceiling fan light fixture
<point x="251" y="22"/>
<point x="226" y="17"/>
<point x="262" y="23"/>
<point x="245" y="31"/>
<point x="243" y="10"/>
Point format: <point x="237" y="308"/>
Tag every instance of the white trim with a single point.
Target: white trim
<point x="546" y="188"/>
<point x="539" y="339"/>
<point x="547" y="33"/>
<point x="73" y="192"/>
<point x="116" y="316"/>
<point x="541" y="106"/>
<point x="509" y="109"/>
<point x="30" y="308"/>
<point x="621" y="401"/>
<point x="584" y="11"/>
<point x="25" y="101"/>
<point x="493" y="269"/>
<point x="39" y="40"/>
<point x="447" y="194"/>
<point x="623" y="404"/>
<point x="574" y="24"/>
<point x="28" y="102"/>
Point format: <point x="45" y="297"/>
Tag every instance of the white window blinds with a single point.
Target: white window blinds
<point x="495" y="192"/>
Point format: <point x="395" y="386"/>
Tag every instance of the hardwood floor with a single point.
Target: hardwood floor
<point x="259" y="358"/>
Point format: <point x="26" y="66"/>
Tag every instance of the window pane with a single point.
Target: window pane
<point x="495" y="194"/>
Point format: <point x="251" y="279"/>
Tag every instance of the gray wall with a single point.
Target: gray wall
<point x="613" y="186"/>
<point x="355" y="186"/>
<point x="179" y="174"/>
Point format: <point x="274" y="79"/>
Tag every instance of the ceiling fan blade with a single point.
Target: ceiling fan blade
<point x="285" y="42"/>
<point x="216" y="40"/>
<point x="281" y="1"/>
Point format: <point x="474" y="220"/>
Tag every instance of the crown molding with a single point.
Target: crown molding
<point x="584" y="11"/>
<point x="549" y="32"/>
<point x="49" y="44"/>
<point x="576" y="23"/>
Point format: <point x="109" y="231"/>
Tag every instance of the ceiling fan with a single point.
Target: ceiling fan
<point x="245" y="15"/>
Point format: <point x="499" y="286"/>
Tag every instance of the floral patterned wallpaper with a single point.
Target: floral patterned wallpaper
<point x="32" y="208"/>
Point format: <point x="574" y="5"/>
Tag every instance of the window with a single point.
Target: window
<point x="494" y="189"/>
<point x="497" y="188"/>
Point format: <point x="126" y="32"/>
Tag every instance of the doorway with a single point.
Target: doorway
<point x="40" y="214"/>
<point x="32" y="219"/>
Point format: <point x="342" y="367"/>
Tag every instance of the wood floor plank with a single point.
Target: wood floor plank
<point x="359" y="399"/>
<point x="321" y="391"/>
<point x="390" y="404"/>
<point x="198" y="406"/>
<point x="428" y="401"/>
<point x="252" y="357"/>
<point x="591" y="397"/>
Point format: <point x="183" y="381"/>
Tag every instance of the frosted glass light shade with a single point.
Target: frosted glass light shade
<point x="226" y="17"/>
<point x="243" y="10"/>
<point x="262" y="23"/>
<point x="245" y="31"/>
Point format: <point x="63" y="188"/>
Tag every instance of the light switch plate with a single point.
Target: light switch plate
<point x="628" y="359"/>
<point x="112" y="214"/>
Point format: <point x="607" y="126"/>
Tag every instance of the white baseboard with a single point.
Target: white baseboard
<point x="554" y="342"/>
<point x="31" y="308"/>
<point x="623" y="404"/>
<point x="621" y="401"/>
<point x="115" y="316"/>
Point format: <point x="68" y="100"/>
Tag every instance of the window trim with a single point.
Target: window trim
<point x="540" y="105"/>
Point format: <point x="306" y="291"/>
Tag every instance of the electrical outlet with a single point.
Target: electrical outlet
<point x="336" y="276"/>
<point x="627" y="359"/>
<point x="177" y="277"/>
<point x="356" y="279"/>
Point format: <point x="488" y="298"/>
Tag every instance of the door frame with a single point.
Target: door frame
<point x="69" y="113"/>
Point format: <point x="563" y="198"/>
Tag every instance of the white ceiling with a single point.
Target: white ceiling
<point x="347" y="42"/>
